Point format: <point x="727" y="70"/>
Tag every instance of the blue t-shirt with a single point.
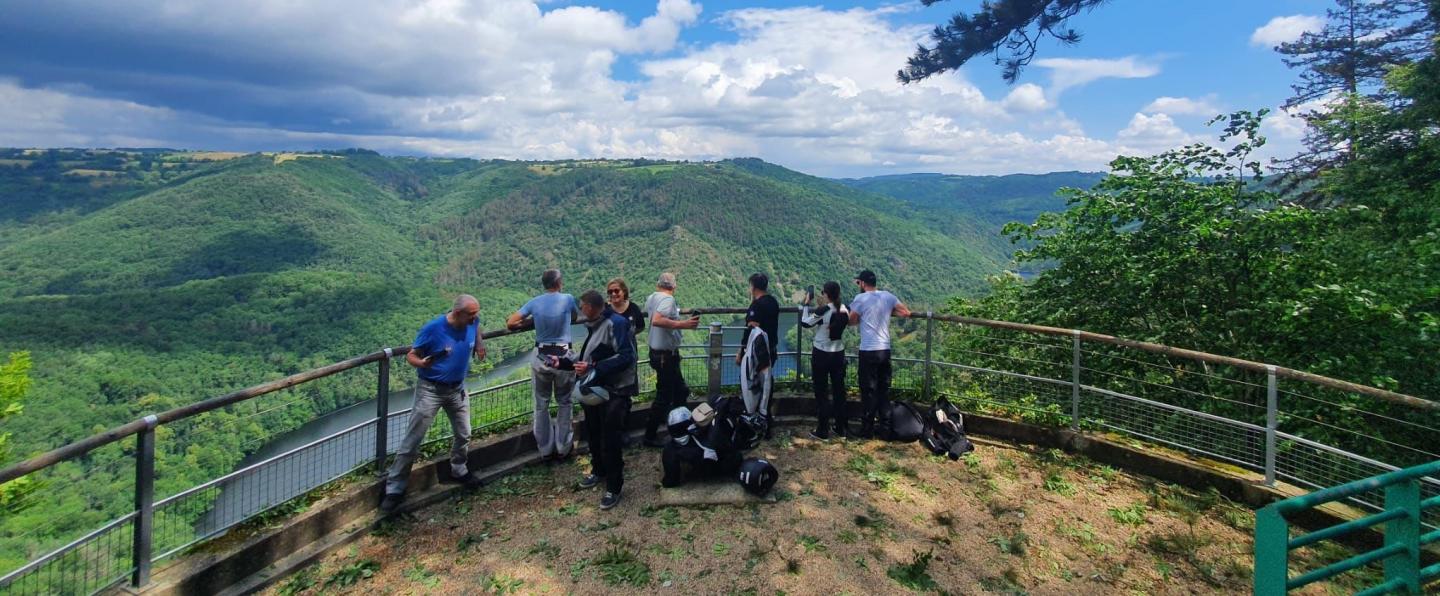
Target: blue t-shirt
<point x="437" y="335"/>
<point x="874" y="308"/>
<point x="553" y="313"/>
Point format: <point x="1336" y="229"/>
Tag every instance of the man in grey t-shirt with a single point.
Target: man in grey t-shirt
<point x="871" y="311"/>
<point x="665" y="326"/>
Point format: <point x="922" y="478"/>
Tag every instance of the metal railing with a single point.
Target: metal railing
<point x="1400" y="554"/>
<point x="1312" y="431"/>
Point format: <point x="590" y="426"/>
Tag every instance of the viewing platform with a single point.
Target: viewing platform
<point x="1102" y="465"/>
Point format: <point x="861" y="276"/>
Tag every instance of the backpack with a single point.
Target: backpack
<point x="903" y="424"/>
<point x="945" y="431"/>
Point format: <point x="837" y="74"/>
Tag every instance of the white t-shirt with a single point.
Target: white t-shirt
<point x="874" y="309"/>
<point x="660" y="337"/>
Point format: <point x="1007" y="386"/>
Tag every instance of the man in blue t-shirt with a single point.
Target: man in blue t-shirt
<point x="871" y="311"/>
<point x="552" y="372"/>
<point x="441" y="357"/>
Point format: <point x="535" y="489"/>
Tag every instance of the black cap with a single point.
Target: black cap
<point x="866" y="276"/>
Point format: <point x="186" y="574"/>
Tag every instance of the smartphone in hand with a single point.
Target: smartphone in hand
<point x="438" y="355"/>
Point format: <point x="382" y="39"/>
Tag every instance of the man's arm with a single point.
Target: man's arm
<point x="513" y="322"/>
<point x="854" y="314"/>
<point x="901" y="310"/>
<point x="479" y="343"/>
<point x="413" y="359"/>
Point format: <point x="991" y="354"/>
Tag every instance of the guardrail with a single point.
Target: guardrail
<point x="1400" y="555"/>
<point x="1313" y="432"/>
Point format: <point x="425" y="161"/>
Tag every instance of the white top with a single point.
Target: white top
<point x="821" y="322"/>
<point x="874" y="308"/>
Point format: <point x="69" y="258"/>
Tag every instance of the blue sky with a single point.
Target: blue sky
<point x="806" y="85"/>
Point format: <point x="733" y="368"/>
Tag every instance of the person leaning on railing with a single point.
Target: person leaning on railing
<point x="871" y="310"/>
<point x="551" y="313"/>
<point x="441" y="357"/>
<point x="665" y="325"/>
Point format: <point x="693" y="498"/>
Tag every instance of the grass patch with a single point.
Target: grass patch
<point x="1056" y="483"/>
<point x="544" y="549"/>
<point x="1013" y="544"/>
<point x="812" y="544"/>
<point x="619" y="565"/>
<point x="351" y="574"/>
<point x="1133" y="515"/>
<point x="417" y="573"/>
<point x="914" y="575"/>
<point x="300" y="582"/>
<point x="503" y="585"/>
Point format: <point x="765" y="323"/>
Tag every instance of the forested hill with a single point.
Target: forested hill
<point x="994" y="199"/>
<point x="142" y="280"/>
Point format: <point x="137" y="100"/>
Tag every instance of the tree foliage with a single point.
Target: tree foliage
<point x="14" y="383"/>
<point x="1011" y="30"/>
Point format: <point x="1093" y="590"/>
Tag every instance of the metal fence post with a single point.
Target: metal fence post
<point x="1075" y="381"/>
<point x="1272" y="402"/>
<point x="382" y="413"/>
<point x="799" y="341"/>
<point x="929" y="360"/>
<point x="144" y="503"/>
<point x="715" y="357"/>
<point x="1272" y="552"/>
<point x="1404" y="531"/>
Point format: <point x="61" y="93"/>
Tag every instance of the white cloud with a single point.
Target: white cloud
<point x="1074" y="72"/>
<point x="1152" y="133"/>
<point x="1026" y="97"/>
<point x="1285" y="29"/>
<point x="808" y="88"/>
<point x="1182" y="106"/>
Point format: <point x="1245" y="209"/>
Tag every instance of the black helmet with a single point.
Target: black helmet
<point x="758" y="475"/>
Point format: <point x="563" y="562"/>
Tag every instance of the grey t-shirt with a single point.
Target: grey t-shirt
<point x="660" y="337"/>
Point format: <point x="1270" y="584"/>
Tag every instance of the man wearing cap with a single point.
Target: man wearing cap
<point x="551" y="314"/>
<point x="665" y="326"/>
<point x="441" y="357"/>
<point x="871" y="310"/>
<point x="608" y="353"/>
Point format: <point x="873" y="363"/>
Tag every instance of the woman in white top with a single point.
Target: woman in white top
<point x="827" y="360"/>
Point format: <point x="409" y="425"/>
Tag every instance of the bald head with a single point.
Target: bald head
<point x="465" y="311"/>
<point x="465" y="301"/>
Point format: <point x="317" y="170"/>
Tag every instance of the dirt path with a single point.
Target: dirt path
<point x="853" y="518"/>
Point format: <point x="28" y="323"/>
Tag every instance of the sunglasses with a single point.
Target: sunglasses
<point x="612" y="292"/>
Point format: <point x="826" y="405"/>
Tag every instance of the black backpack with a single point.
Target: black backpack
<point x="945" y="431"/>
<point x="904" y="423"/>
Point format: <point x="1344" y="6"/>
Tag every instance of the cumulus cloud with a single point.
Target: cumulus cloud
<point x="1074" y="72"/>
<point x="809" y="88"/>
<point x="1182" y="106"/>
<point x="1285" y="29"/>
<point x="1026" y="97"/>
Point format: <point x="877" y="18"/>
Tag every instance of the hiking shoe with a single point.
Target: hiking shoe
<point x="391" y="502"/>
<point x="842" y="431"/>
<point x="610" y="500"/>
<point x="654" y="442"/>
<point x="589" y="481"/>
<point x="471" y="481"/>
<point x="819" y="435"/>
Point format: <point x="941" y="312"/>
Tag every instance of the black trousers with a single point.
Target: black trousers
<point x="670" y="389"/>
<point x="604" y="425"/>
<point x="687" y="462"/>
<point x="874" y="377"/>
<point x="829" y="379"/>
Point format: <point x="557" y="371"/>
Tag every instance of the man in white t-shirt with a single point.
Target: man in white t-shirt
<point x="665" y="326"/>
<point x="871" y="310"/>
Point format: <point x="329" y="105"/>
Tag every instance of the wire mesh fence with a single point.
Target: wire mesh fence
<point x="1323" y="437"/>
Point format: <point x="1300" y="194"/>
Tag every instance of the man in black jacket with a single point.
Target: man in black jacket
<point x="608" y="352"/>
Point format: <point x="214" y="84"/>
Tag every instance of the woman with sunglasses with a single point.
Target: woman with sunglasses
<point x="618" y="295"/>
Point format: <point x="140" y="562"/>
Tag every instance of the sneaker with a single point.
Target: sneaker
<point x="609" y="501"/>
<point x="842" y="430"/>
<point x="471" y="481"/>
<point x="656" y="442"/>
<point x="391" y="502"/>
<point x="589" y="481"/>
<point x="819" y="435"/>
